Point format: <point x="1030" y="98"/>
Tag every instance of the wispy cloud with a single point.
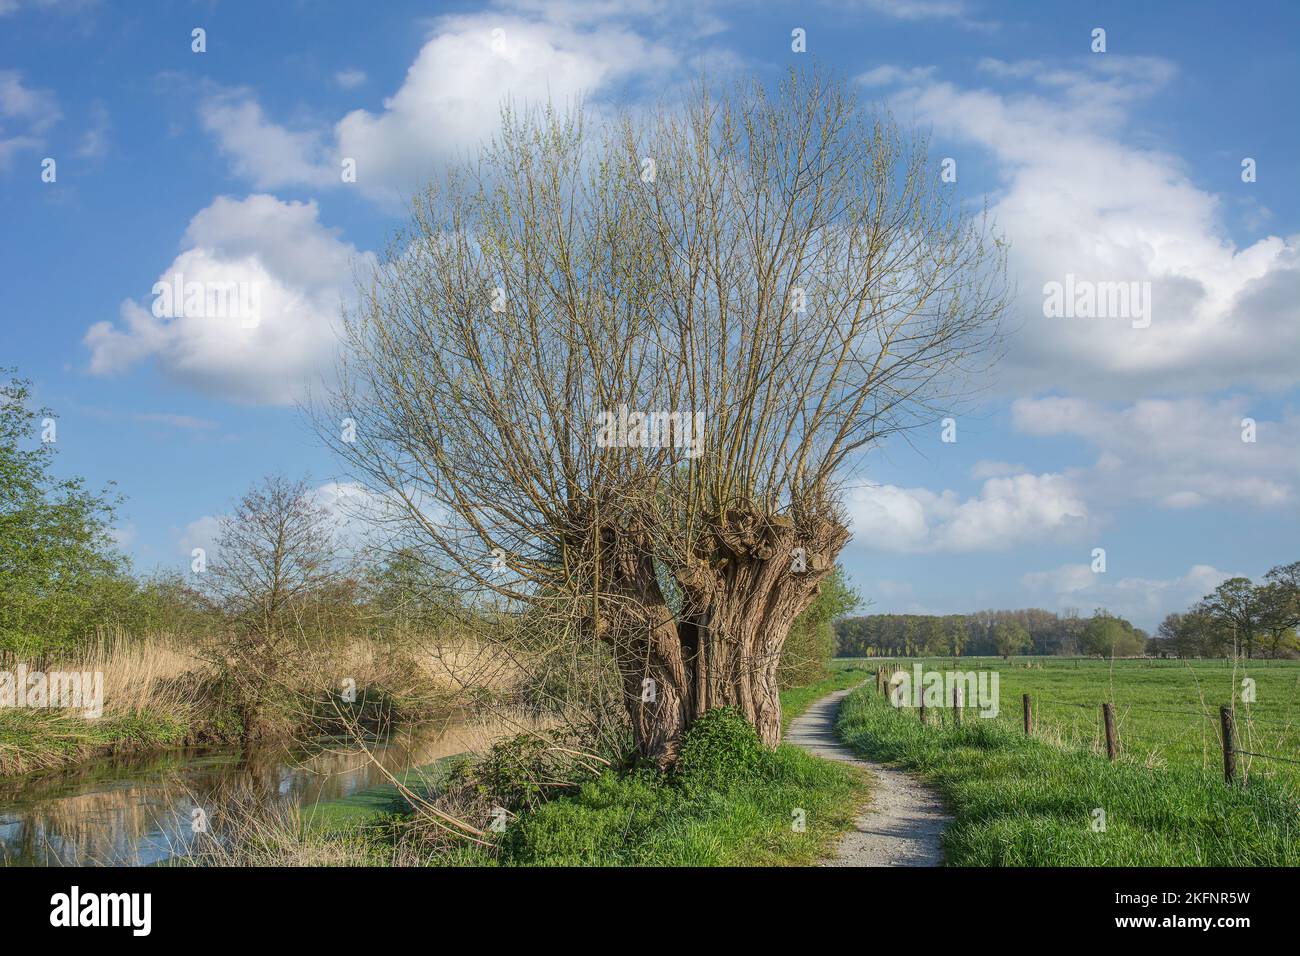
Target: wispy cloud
<point x="26" y="114"/>
<point x="176" y="421"/>
<point x="350" y="79"/>
<point x="94" y="141"/>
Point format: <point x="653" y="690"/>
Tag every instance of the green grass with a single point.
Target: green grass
<point x="38" y="739"/>
<point x="642" y="819"/>
<point x="729" y="802"/>
<point x="739" y="813"/>
<point x="1166" y="712"/>
<point x="1025" y="802"/>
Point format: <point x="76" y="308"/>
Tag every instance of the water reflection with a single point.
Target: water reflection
<point x="134" y="811"/>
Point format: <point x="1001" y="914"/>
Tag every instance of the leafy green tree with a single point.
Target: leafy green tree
<point x="1236" y="609"/>
<point x="408" y="593"/>
<point x="910" y="632"/>
<point x="811" y="642"/>
<point x="957" y="634"/>
<point x="1288" y="576"/>
<point x="60" y="574"/>
<point x="165" y="603"/>
<point x="1010" y="637"/>
<point x="933" y="637"/>
<point x="1279" y="600"/>
<point x="854" y="637"/>
<point x="1198" y="636"/>
<point x="1108" y="636"/>
<point x="1069" y="631"/>
<point x="1166" y="638"/>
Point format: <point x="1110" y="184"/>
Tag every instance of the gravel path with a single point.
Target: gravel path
<point x="903" y="824"/>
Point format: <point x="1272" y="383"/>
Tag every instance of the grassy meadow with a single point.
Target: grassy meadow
<point x="1166" y="711"/>
<point x="1035" y="802"/>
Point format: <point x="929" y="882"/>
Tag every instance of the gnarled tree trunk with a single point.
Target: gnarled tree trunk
<point x="723" y="647"/>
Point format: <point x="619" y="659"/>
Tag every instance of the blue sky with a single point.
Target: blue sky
<point x="1117" y="166"/>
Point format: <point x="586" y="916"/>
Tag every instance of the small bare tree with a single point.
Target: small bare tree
<point x="274" y="551"/>
<point x="618" y="378"/>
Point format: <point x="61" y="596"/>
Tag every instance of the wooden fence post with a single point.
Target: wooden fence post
<point x="1229" y="744"/>
<point x="956" y="703"/>
<point x="1029" y="720"/>
<point x="922" y="708"/>
<point x="1108" y="717"/>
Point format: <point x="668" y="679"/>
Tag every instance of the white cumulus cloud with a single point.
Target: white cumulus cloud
<point x="302" y="276"/>
<point x="1084" y="196"/>
<point x="266" y="153"/>
<point x="1009" y="510"/>
<point x="448" y="104"/>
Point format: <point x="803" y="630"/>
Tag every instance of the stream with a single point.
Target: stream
<point x="137" y="810"/>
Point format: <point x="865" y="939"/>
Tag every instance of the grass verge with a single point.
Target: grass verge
<point x="729" y="803"/>
<point x="42" y="740"/>
<point x="1023" y="802"/>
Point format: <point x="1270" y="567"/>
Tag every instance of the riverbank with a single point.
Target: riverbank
<point x="729" y="803"/>
<point x="159" y="695"/>
<point x="151" y="695"/>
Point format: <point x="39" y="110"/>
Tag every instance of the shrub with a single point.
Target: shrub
<point x="719" y="750"/>
<point x="527" y="770"/>
<point x="60" y="573"/>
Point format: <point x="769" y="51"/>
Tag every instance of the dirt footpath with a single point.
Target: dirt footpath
<point x="903" y="824"/>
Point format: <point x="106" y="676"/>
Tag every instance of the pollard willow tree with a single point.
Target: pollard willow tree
<point x="618" y="376"/>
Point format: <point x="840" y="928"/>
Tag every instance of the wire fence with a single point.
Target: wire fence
<point x="1054" y="661"/>
<point x="1225" y="720"/>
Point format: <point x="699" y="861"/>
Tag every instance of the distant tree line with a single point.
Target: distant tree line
<point x="1239" y="618"/>
<point x="984" y="633"/>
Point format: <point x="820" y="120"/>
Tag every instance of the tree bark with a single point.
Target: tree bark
<point x="725" y="646"/>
